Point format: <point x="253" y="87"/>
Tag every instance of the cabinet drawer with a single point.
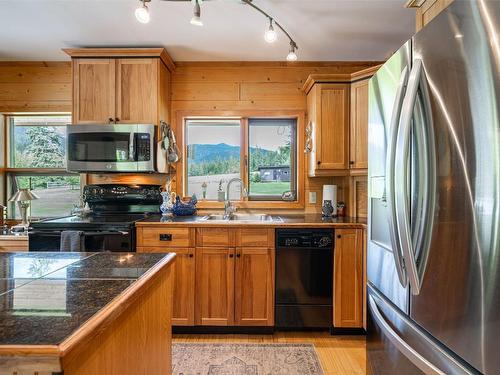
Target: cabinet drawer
<point x="165" y="237"/>
<point x="208" y="237"/>
<point x="255" y="237"/>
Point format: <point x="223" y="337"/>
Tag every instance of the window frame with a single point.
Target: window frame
<point x="12" y="172"/>
<point x="181" y="118"/>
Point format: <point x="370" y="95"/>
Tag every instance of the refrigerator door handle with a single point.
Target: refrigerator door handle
<point x="390" y="170"/>
<point x="410" y="353"/>
<point x="401" y="177"/>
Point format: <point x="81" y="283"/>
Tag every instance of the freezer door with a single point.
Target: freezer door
<point x="458" y="296"/>
<point x="396" y="345"/>
<point x="386" y="93"/>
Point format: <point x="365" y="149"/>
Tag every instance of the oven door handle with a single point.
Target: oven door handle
<point x="58" y="233"/>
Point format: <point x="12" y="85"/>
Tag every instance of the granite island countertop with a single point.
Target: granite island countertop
<point x="47" y="298"/>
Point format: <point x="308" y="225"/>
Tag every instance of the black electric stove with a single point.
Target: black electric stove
<point x="111" y="224"/>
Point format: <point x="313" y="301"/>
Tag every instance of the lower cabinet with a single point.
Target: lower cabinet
<point x="235" y="286"/>
<point x="184" y="283"/>
<point x="254" y="290"/>
<point x="348" y="275"/>
<point x="214" y="286"/>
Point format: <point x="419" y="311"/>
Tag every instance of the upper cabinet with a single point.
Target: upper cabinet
<point x="427" y="10"/>
<point x="114" y="85"/>
<point x="358" y="148"/>
<point x="337" y="130"/>
<point x="328" y="111"/>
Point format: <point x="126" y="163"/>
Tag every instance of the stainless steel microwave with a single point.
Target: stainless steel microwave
<point x="111" y="148"/>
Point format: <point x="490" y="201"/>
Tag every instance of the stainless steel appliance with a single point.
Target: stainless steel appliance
<point x="111" y="148"/>
<point x="304" y="274"/>
<point x="110" y="226"/>
<point x="434" y="199"/>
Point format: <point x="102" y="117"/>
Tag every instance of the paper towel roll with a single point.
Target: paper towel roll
<point x="330" y="193"/>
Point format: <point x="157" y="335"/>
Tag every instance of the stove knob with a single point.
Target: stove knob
<point x="324" y="241"/>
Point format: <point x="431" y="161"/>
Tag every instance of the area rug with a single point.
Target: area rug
<point x="245" y="359"/>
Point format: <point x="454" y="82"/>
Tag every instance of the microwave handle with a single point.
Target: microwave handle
<point x="132" y="148"/>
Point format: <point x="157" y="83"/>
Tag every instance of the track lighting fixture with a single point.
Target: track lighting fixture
<point x="142" y="12"/>
<point x="292" y="56"/>
<point x="270" y="35"/>
<point x="196" y="20"/>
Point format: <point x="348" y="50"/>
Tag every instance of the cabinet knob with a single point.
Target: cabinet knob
<point x="231" y="255"/>
<point x="319" y="162"/>
<point x="191" y="255"/>
<point x="111" y="120"/>
<point x="238" y="255"/>
<point x="117" y="119"/>
<point x="339" y="236"/>
<point x="351" y="162"/>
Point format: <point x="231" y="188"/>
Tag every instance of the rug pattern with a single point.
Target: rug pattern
<point x="245" y="359"/>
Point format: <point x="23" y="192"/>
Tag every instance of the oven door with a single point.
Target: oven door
<point x="110" y="148"/>
<point x="95" y="241"/>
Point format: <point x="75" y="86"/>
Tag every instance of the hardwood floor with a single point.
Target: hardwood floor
<point x="339" y="355"/>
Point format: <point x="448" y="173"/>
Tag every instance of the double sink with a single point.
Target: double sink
<point x="243" y="218"/>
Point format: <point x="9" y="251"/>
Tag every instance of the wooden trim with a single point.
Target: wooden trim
<point x="339" y="78"/>
<point x="236" y="64"/>
<point x="161" y="53"/>
<point x="179" y="125"/>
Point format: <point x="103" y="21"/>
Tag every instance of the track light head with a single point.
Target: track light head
<point x="292" y="56"/>
<point x="196" y="20"/>
<point x="270" y="35"/>
<point x="142" y="12"/>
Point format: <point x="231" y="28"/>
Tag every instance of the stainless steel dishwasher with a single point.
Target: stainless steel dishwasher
<point x="304" y="278"/>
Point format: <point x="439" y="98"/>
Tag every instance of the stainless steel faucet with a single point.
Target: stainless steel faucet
<point x="229" y="208"/>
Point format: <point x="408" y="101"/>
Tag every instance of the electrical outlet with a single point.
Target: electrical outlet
<point x="312" y="197"/>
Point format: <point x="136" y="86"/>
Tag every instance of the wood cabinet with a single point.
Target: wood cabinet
<point x="13" y="243"/>
<point x="93" y="91"/>
<point x="348" y="283"/>
<point x="328" y="113"/>
<point x="120" y="86"/>
<point x="427" y="10"/>
<point x="254" y="287"/>
<point x="358" y="145"/>
<point x="215" y="286"/>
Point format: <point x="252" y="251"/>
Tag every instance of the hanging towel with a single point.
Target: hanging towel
<point x="72" y="240"/>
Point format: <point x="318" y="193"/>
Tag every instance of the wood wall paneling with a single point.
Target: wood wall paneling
<point x="35" y="86"/>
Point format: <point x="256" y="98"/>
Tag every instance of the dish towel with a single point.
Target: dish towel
<point x="72" y="240"/>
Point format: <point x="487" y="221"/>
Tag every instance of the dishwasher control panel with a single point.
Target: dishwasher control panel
<point x="312" y="238"/>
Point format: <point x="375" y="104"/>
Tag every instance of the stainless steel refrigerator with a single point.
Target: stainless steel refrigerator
<point x="434" y="199"/>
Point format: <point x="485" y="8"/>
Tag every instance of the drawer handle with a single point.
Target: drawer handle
<point x="166" y="237"/>
<point x="231" y="255"/>
<point x="339" y="236"/>
<point x="191" y="255"/>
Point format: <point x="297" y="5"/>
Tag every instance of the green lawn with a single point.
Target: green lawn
<point x="269" y="188"/>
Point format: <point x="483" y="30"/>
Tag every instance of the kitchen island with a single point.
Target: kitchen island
<point x="85" y="313"/>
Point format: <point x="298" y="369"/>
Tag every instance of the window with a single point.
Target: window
<point x="36" y="160"/>
<point x="262" y="152"/>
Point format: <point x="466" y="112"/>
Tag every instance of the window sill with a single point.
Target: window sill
<point x="206" y="204"/>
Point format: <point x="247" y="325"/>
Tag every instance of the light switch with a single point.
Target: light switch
<point x="312" y="197"/>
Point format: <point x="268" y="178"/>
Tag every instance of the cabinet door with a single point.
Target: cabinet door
<point x="332" y="136"/>
<point x="184" y="283"/>
<point x="359" y="126"/>
<point x="348" y="278"/>
<point x="137" y="91"/>
<point x="214" y="286"/>
<point x="254" y="290"/>
<point x="93" y="91"/>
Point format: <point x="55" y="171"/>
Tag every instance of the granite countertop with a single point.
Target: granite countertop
<point x="286" y="221"/>
<point x="46" y="297"/>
